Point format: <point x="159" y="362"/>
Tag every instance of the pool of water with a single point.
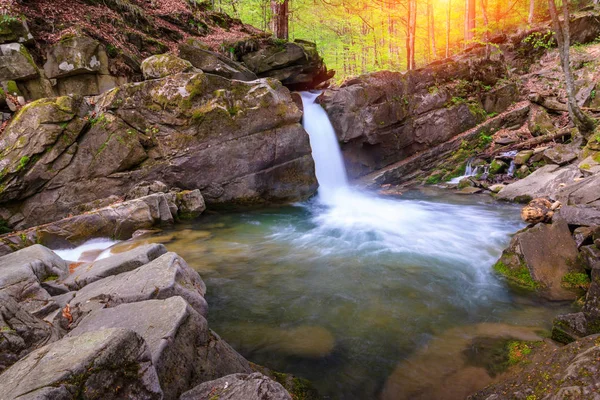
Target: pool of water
<point x="367" y="297"/>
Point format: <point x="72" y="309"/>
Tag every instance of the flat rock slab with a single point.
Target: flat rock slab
<point x="550" y="252"/>
<point x="167" y="276"/>
<point x="20" y="332"/>
<point x="22" y="274"/>
<point x="254" y="386"/>
<point x="183" y="350"/>
<point x="586" y="191"/>
<point x="580" y="215"/>
<point x="545" y="182"/>
<point x="113" y="265"/>
<point x="107" y="364"/>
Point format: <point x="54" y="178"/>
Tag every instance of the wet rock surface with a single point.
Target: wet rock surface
<point x="239" y="386"/>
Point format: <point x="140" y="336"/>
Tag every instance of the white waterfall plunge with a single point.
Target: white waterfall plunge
<point x="329" y="164"/>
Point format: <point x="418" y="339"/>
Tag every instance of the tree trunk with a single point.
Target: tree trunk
<point x="431" y="24"/>
<point x="448" y="29"/>
<point x="279" y="24"/>
<point x="470" y="13"/>
<point x="486" y="27"/>
<point x="531" y="11"/>
<point x="413" y="30"/>
<point x="561" y="28"/>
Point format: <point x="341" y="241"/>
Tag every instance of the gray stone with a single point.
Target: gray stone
<point x="254" y="386"/>
<point x="190" y="203"/>
<point x="20" y="332"/>
<point x="499" y="99"/>
<point x="523" y="156"/>
<point x="184" y="351"/>
<point x="568" y="328"/>
<point x="75" y="55"/>
<point x="15" y="29"/>
<point x="589" y="166"/>
<point x="114" y="265"/>
<point x="214" y="63"/>
<point x="16" y="63"/>
<point x="584" y="235"/>
<point x="590" y="255"/>
<point x="167" y="276"/>
<point x="580" y="215"/>
<point x="22" y="273"/>
<point x="539" y="122"/>
<point x="544" y="182"/>
<point x="163" y="65"/>
<point x="585" y="191"/>
<point x="107" y="364"/>
<point x="561" y="154"/>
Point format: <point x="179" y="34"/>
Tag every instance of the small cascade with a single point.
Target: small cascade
<point x="329" y="163"/>
<point x="511" y="168"/>
<point x="469" y="171"/>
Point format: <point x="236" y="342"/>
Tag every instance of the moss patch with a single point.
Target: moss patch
<point x="576" y="280"/>
<point x="519" y="276"/>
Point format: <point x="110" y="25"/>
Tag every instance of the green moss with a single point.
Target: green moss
<point x="12" y="88"/>
<point x="4" y="228"/>
<point x="517" y="352"/>
<point x="519" y="276"/>
<point x="23" y="163"/>
<point x="576" y="280"/>
<point x="51" y="278"/>
<point x="497" y="167"/>
<point x="434" y="178"/>
<point x="585" y="166"/>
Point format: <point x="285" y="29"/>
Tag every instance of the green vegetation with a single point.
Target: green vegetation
<point x="541" y="40"/>
<point x="576" y="280"/>
<point x="519" y="276"/>
<point x="23" y="162"/>
<point x="517" y="351"/>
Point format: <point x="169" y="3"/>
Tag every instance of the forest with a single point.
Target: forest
<point x="361" y="36"/>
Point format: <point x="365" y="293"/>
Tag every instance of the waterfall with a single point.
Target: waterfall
<point x="329" y="163"/>
<point x="469" y="171"/>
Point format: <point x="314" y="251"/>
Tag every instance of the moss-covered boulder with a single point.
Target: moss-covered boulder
<point x="16" y="63"/>
<point x="240" y="143"/>
<point x="163" y="65"/>
<point x="75" y="55"/>
<point x="539" y="258"/>
<point x="14" y="30"/>
<point x="539" y="122"/>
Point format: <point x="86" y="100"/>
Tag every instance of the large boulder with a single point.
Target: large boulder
<point x="297" y="64"/>
<point x="16" y="63"/>
<point x="569" y="372"/>
<point x="106" y="364"/>
<point x="163" y="65"/>
<point x="15" y="29"/>
<point x="20" y="332"/>
<point x="540" y="257"/>
<point x="214" y="63"/>
<point x="561" y="154"/>
<point x="184" y="351"/>
<point x="240" y="143"/>
<point x="22" y="274"/>
<point x="75" y="55"/>
<point x="254" y="386"/>
<point x="545" y="182"/>
<point x="113" y="265"/>
<point x="166" y="276"/>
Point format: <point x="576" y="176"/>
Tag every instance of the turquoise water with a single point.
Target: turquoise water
<point x="356" y="299"/>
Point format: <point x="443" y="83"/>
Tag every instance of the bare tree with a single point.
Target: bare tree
<point x="411" y="27"/>
<point x="561" y="31"/>
<point x="470" y="14"/>
<point x="531" y="11"/>
<point x="448" y="29"/>
<point x="280" y="21"/>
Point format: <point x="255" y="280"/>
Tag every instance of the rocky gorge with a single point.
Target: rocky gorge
<point x="102" y="141"/>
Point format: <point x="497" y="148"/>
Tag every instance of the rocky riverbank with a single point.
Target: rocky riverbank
<point x="132" y="325"/>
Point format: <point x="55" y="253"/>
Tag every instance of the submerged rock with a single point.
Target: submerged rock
<point x="254" y="386"/>
<point x="106" y="364"/>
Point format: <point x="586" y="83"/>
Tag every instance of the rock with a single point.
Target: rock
<point x="163" y="65"/>
<point x="539" y="258"/>
<point x="584" y="235"/>
<point x="22" y="274"/>
<point x="560" y="154"/>
<point x="254" y="386"/>
<point x="117" y="221"/>
<point x="15" y="30"/>
<point x="539" y="122"/>
<point x="113" y="265"/>
<point x="544" y="182"/>
<point x="556" y="373"/>
<point x="184" y="351"/>
<point x="20" y="332"/>
<point x="146" y="188"/>
<point x="568" y="328"/>
<point x="167" y="276"/>
<point x="190" y="203"/>
<point x="470" y="190"/>
<point x="584" y="28"/>
<point x="214" y="63"/>
<point x="498" y="167"/>
<point x="219" y="136"/>
<point x="499" y="99"/>
<point x="580" y="215"/>
<point x="589" y="166"/>
<point x="75" y="55"/>
<point x="106" y="364"/>
<point x="505" y="140"/>
<point x="585" y="191"/>
<point x="523" y="156"/>
<point x="538" y="210"/>
<point x="590" y="256"/>
<point x="297" y="64"/>
<point x="496" y="188"/>
<point x="16" y="63"/>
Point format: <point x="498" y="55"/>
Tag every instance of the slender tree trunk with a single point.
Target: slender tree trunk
<point x="408" y="34"/>
<point x="531" y="11"/>
<point x="470" y="14"/>
<point x="448" y="29"/>
<point x="486" y="27"/>
<point x="413" y="30"/>
<point x="431" y="22"/>
<point x="561" y="30"/>
<point x="279" y="24"/>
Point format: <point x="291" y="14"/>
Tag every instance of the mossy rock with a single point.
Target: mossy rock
<point x="162" y="65"/>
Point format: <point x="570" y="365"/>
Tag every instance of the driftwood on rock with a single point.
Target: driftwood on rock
<point x="530" y="143"/>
